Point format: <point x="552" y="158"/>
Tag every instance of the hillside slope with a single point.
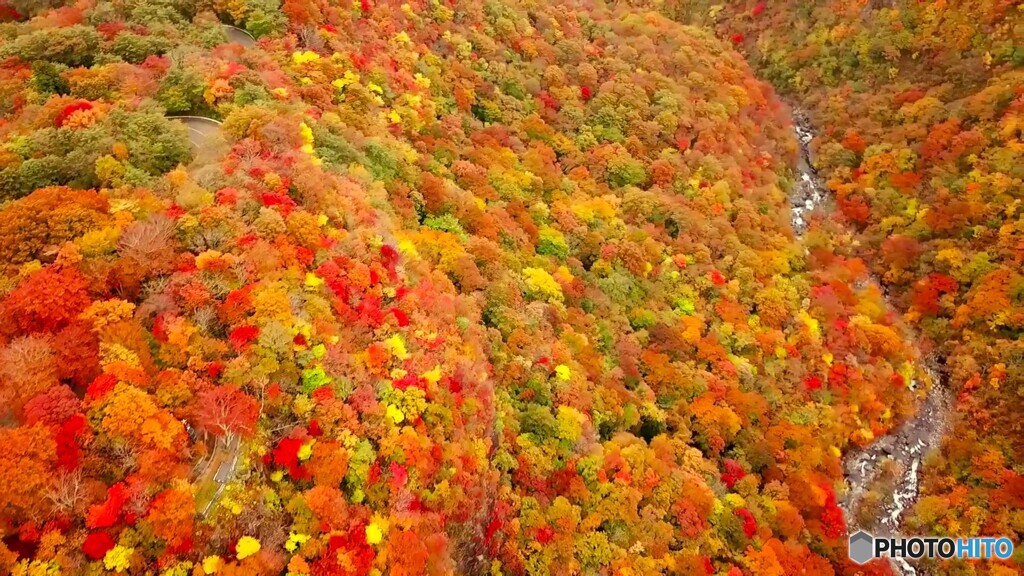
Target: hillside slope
<point x="920" y="106"/>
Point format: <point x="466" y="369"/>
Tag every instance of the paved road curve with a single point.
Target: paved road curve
<point x="238" y="36"/>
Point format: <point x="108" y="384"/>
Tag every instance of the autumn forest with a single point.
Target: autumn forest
<point x="505" y="287"/>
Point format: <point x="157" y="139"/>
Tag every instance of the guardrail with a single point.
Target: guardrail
<point x="200" y="118"/>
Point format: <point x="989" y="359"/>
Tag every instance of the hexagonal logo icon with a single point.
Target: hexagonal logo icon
<point x="861" y="547"/>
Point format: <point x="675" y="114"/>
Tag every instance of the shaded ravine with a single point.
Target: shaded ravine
<point x="907" y="445"/>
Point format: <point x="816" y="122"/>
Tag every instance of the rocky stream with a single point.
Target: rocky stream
<point x="905" y="448"/>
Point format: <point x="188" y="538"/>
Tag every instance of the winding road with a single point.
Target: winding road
<point x="207" y="139"/>
<point x="216" y="470"/>
<point x="907" y="445"/>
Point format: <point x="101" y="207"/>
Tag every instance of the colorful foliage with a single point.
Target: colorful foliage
<point x="454" y="288"/>
<point x="920" y="105"/>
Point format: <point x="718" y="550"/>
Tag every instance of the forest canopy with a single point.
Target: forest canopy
<point x="501" y="287"/>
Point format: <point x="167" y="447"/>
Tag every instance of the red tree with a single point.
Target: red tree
<point x="44" y="302"/>
<point x="223" y="410"/>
